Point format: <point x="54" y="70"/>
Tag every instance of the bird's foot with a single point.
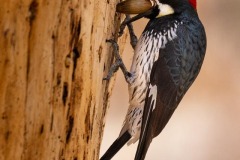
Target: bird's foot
<point x="118" y="63"/>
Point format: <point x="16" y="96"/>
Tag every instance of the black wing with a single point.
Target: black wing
<point x="172" y="74"/>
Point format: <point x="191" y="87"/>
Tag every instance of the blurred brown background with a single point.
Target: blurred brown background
<point x="206" y="124"/>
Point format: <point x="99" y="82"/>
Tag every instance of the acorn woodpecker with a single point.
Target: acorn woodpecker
<point x="167" y="59"/>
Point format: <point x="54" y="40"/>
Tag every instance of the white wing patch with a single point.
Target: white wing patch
<point x="153" y="93"/>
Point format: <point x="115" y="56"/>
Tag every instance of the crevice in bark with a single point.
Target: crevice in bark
<point x="69" y="128"/>
<point x="65" y="93"/>
<point x="33" y="11"/>
<point x="41" y="129"/>
<point x="51" y="123"/>
<point x="76" y="55"/>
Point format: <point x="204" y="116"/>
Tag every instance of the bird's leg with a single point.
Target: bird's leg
<point x="133" y="37"/>
<point x="118" y="63"/>
<point x="128" y="22"/>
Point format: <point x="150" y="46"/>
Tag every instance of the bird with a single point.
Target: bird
<point x="167" y="59"/>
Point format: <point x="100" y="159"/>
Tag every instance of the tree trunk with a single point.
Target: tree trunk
<point x="53" y="57"/>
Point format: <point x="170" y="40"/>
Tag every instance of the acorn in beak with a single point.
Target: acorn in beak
<point x="134" y="6"/>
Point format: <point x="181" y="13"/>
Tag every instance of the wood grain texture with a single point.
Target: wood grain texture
<point x="53" y="57"/>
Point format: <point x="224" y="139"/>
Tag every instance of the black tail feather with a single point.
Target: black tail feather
<point x="116" y="146"/>
<point x="145" y="139"/>
<point x="142" y="150"/>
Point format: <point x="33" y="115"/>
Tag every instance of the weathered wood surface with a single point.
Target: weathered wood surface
<point x="53" y="57"/>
